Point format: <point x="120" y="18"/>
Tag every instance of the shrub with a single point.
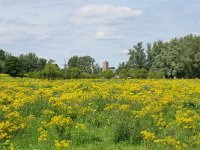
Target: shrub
<point x="138" y="73"/>
<point x="155" y="74"/>
<point x="108" y="74"/>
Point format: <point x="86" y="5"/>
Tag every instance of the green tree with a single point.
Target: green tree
<point x="2" y="60"/>
<point x="41" y="63"/>
<point x="73" y="62"/>
<point x="2" y="55"/>
<point x="51" y="70"/>
<point x="157" y="56"/>
<point x="137" y="73"/>
<point x="1" y="67"/>
<point x="123" y="73"/>
<point x="29" y="62"/>
<point x="73" y="73"/>
<point x="178" y="57"/>
<point x="13" y="66"/>
<point x="108" y="74"/>
<point x="137" y="57"/>
<point x="96" y="69"/>
<point x="149" y="56"/>
<point x="84" y="63"/>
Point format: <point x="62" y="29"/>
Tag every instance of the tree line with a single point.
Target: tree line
<point x="177" y="58"/>
<point x="30" y="65"/>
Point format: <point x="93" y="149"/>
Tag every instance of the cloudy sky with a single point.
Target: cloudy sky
<point x="103" y="29"/>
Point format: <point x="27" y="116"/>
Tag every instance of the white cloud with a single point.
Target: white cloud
<point x="101" y="14"/>
<point x="109" y="34"/>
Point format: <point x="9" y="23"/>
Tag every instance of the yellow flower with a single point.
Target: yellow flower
<point x="43" y="135"/>
<point x="148" y="135"/>
<point x="11" y="146"/>
<point x="80" y="126"/>
<point x="61" y="144"/>
<point x="60" y="121"/>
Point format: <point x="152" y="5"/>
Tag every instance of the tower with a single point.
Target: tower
<point x="105" y="65"/>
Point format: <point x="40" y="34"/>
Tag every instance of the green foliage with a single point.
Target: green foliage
<point x="85" y="75"/>
<point x="96" y="69"/>
<point x="107" y="74"/>
<point x="137" y="57"/>
<point x="73" y="62"/>
<point x="41" y="63"/>
<point x="30" y="62"/>
<point x="13" y="66"/>
<point x="123" y="73"/>
<point x="4" y="75"/>
<point x="51" y="71"/>
<point x="178" y="58"/>
<point x="156" y="74"/>
<point x="84" y="63"/>
<point x="138" y="73"/>
<point x="2" y="55"/>
<point x="1" y="67"/>
<point x="122" y="131"/>
<point x="73" y="73"/>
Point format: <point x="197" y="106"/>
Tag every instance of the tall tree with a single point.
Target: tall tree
<point x="73" y="62"/>
<point x="13" y="66"/>
<point x="51" y="70"/>
<point x="2" y="55"/>
<point x="96" y="69"/>
<point x="29" y="62"/>
<point x="2" y="60"/>
<point x="149" y="56"/>
<point x="41" y="63"/>
<point x="137" y="57"/>
<point x="84" y="63"/>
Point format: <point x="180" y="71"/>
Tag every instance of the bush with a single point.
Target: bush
<point x="108" y="74"/>
<point x="156" y="74"/>
<point x="123" y="73"/>
<point x="85" y="75"/>
<point x="73" y="73"/>
<point x="128" y="130"/>
<point x="51" y="71"/>
<point x="138" y="73"/>
<point x="13" y="66"/>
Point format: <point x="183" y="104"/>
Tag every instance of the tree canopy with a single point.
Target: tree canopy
<point x="177" y="58"/>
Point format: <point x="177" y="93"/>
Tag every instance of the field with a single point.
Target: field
<point x="99" y="114"/>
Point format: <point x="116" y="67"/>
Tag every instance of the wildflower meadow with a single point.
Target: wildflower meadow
<point x="99" y="114"/>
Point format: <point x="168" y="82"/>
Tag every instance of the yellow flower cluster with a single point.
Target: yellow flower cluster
<point x="60" y="121"/>
<point x="61" y="144"/>
<point x="167" y="108"/>
<point x="43" y="135"/>
<point x="148" y="135"/>
<point x="170" y="141"/>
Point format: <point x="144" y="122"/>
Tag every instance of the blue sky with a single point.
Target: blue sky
<point x="105" y="30"/>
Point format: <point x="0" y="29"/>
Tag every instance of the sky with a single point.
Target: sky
<point x="102" y="29"/>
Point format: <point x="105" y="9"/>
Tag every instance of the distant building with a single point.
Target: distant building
<point x="105" y="65"/>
